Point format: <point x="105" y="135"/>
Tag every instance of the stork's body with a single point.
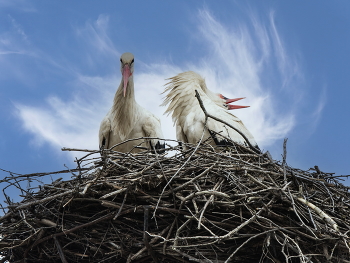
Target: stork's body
<point x="128" y="120"/>
<point x="189" y="118"/>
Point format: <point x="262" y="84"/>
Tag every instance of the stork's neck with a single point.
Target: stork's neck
<point x="124" y="109"/>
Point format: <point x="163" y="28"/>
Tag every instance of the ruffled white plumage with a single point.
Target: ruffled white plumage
<point x="189" y="118"/>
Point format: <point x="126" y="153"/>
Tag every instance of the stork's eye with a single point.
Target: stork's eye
<point x="132" y="61"/>
<point x="121" y="60"/>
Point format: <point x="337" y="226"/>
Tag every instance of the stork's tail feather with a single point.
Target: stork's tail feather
<point x="225" y="142"/>
<point x="159" y="147"/>
<point x="103" y="144"/>
<point x="222" y="142"/>
<point x="257" y="149"/>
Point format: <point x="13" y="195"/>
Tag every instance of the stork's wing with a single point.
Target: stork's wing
<point x="189" y="118"/>
<point x="181" y="136"/>
<point x="151" y="128"/>
<point x="104" y="133"/>
<point x="217" y="128"/>
<point x="192" y="122"/>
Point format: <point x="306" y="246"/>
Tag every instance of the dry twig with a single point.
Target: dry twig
<point x="208" y="205"/>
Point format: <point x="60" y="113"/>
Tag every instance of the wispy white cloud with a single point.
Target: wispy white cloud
<point x="317" y="113"/>
<point x="287" y="63"/>
<point x="95" y="35"/>
<point x="236" y="65"/>
<point x="242" y="57"/>
<point x="13" y="41"/>
<point x="72" y="123"/>
<point x="59" y="123"/>
<point x="14" y="46"/>
<point x="10" y="44"/>
<point x="18" y="29"/>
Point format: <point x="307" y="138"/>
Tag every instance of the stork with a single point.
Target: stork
<point x="128" y="120"/>
<point x="189" y="118"/>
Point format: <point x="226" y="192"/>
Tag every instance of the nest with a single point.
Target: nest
<point x="227" y="204"/>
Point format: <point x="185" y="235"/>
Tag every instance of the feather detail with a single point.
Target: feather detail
<point x="127" y="120"/>
<point x="124" y="115"/>
<point x="189" y="117"/>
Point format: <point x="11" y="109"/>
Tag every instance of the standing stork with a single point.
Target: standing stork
<point x="127" y="119"/>
<point x="189" y="118"/>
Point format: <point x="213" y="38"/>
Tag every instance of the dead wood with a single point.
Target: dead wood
<point x="203" y="205"/>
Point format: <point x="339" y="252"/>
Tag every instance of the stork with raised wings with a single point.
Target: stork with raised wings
<point x="128" y="120"/>
<point x="189" y="118"/>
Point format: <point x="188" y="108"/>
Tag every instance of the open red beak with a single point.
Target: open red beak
<point x="126" y="75"/>
<point x="233" y="107"/>
<point x="236" y="107"/>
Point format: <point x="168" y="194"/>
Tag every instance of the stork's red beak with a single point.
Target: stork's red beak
<point x="233" y="107"/>
<point x="126" y="75"/>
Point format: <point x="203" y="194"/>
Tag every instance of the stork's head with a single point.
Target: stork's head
<point x="227" y="102"/>
<point x="126" y="67"/>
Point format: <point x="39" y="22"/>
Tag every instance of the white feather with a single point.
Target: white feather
<point x="189" y="117"/>
<point x="128" y="120"/>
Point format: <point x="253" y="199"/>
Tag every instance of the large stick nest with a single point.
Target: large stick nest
<point x="200" y="205"/>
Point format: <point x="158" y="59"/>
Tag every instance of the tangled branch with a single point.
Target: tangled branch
<point x="199" y="205"/>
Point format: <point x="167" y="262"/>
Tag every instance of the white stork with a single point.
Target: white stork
<point x="189" y="118"/>
<point x="127" y="119"/>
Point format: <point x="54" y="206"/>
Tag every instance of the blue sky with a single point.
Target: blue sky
<point x="59" y="64"/>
